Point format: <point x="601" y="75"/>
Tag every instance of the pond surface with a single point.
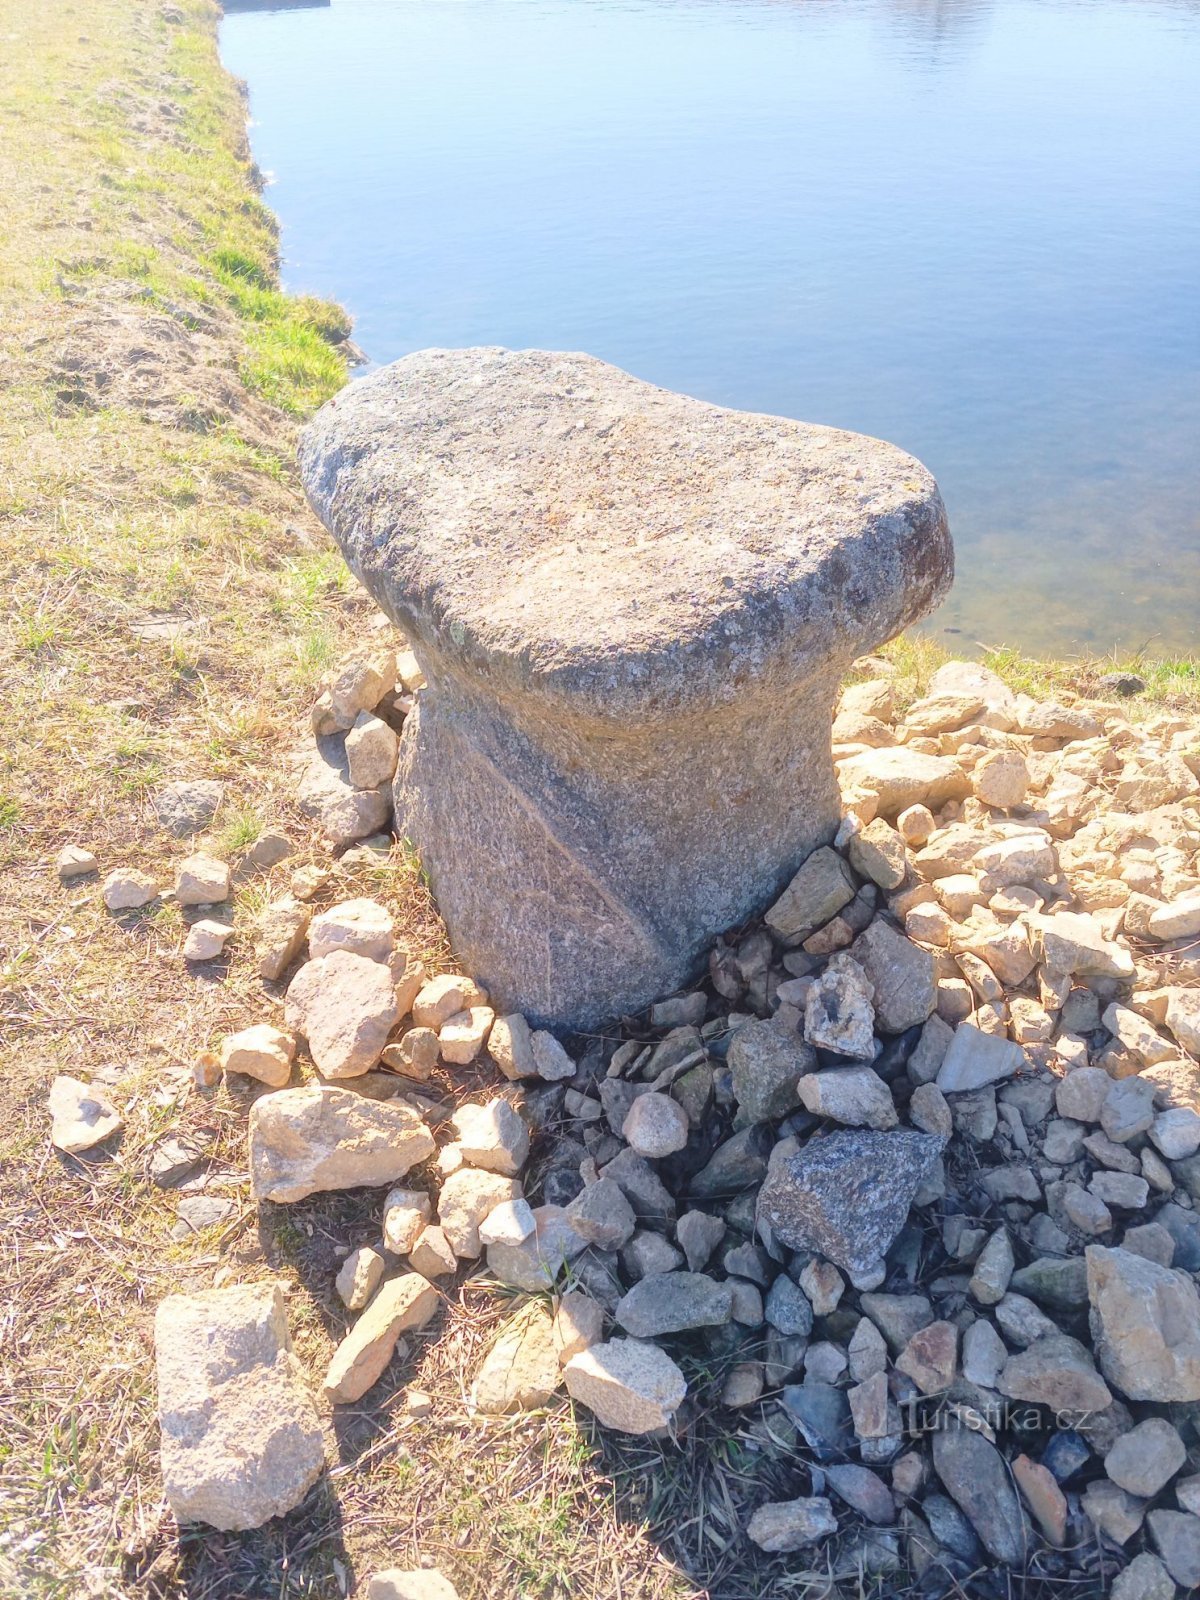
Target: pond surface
<point x="968" y="226"/>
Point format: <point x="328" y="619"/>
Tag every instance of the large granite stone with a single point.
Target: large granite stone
<point x="632" y="610"/>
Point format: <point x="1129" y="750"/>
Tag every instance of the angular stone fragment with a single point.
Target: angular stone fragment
<point x="900" y="973"/>
<point x="521" y="1370"/>
<point x="602" y="1215"/>
<point x="670" y="1302"/>
<point x="1055" y="1371"/>
<point x="432" y="1255"/>
<point x="1145" y="1578"/>
<point x="261" y="1052"/>
<point x="975" y="1475"/>
<point x="839" y="1012"/>
<point x="405" y="1214"/>
<point x="1146" y="1325"/>
<point x="127" y="889"/>
<point x="629" y="1384"/>
<point x="468" y="1196"/>
<point x="462" y="1038"/>
<point x="363" y="927"/>
<point x="492" y="1136"/>
<point x="585" y="644"/>
<point x="82" y="1115"/>
<point x="359" y="1277"/>
<point x="900" y="777"/>
<point x="975" y="1058"/>
<point x="1044" y="1498"/>
<point x="855" y="1096"/>
<point x="201" y="881"/>
<point x="1145" y="1460"/>
<point x="241" y="1439"/>
<point x="578" y="1324"/>
<point x="510" y="1045"/>
<point x="767" y="1062"/>
<point x="325" y="793"/>
<point x="551" y="1062"/>
<point x="847" y="1195"/>
<point x="401" y="1304"/>
<point x="536" y="1263"/>
<point x="75" y="862"/>
<point x="821" y="887"/>
<point x="345" y="1007"/>
<point x="930" y="1357"/>
<point x="783" y="1525"/>
<point x="371" y="748"/>
<point x="1176" y="1537"/>
<point x="282" y="929"/>
<point x="303" y="1141"/>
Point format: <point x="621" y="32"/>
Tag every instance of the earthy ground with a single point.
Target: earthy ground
<point x="170" y="605"/>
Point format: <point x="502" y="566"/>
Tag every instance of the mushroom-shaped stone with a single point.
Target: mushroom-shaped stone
<point x="632" y="610"/>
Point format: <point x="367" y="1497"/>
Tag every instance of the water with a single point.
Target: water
<point x="969" y="226"/>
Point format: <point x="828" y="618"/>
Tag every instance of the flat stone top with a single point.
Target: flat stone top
<point x="560" y="526"/>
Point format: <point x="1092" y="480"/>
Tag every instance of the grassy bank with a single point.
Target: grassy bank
<point x="170" y="604"/>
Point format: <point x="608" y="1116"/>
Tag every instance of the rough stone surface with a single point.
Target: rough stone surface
<point x="537" y="1262"/>
<point x="1146" y="1325"/>
<point x="261" y="1052"/>
<point x="686" y="618"/>
<point x="975" y="1058"/>
<point x="847" y="1195"/>
<point x="976" y="1478"/>
<point x="127" y="889"/>
<point x="282" y="929"/>
<point x="629" y="1384"/>
<point x="306" y="1140"/>
<point x="325" y="793"/>
<point x="420" y="1583"/>
<point x="358" y="1277"/>
<point x="399" y="1305"/>
<point x="521" y="1370"/>
<point x="900" y="973"/>
<point x="492" y="1136"/>
<point x="783" y="1525"/>
<point x="656" y="1126"/>
<point x="767" y="1063"/>
<point x="670" y="1302"/>
<point x="469" y="1196"/>
<point x="363" y="927"/>
<point x="345" y="1007"/>
<point x="839" y="1013"/>
<point x="201" y="881"/>
<point x="1146" y="1459"/>
<point x="188" y="806"/>
<point x="81" y="1115"/>
<point x="855" y="1096"/>
<point x="241" y="1439"/>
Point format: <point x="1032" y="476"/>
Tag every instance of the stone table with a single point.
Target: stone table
<point x="633" y="610"/>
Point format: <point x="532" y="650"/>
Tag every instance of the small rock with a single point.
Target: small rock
<point x="1145" y="1578"/>
<point x="767" y="1062"/>
<point x="1128" y="1109"/>
<point x="698" y="1235"/>
<point x="401" y="1304"/>
<point x="371" y="750"/>
<point x="261" y="1052"/>
<point x="1176" y="1537"/>
<point x="536" y="1263"/>
<point x="602" y="1215"/>
<point x="783" y="1525"/>
<point x="670" y="1302"/>
<point x="975" y="1475"/>
<point x="521" y="1370"/>
<point x="405" y="1213"/>
<point x="82" y="1115"/>
<point x="743" y="1385"/>
<point x="127" y="889"/>
<point x="1055" y="1371"/>
<point x="511" y="1222"/>
<point x="359" y="1277"/>
<point x="929" y="1111"/>
<point x="823" y="1286"/>
<point x="1001" y="779"/>
<point x="854" y="1096"/>
<point x="202" y="880"/>
<point x="73" y="861"/>
<point x="282" y="929"/>
<point x="1145" y="1460"/>
<point x="839" y="1011"/>
<point x="578" y="1325"/>
<point x="975" y="1059"/>
<point x="993" y="1270"/>
<point x="492" y="1136"/>
<point x="303" y="1141"/>
<point x="345" y="1007"/>
<point x="1043" y="1497"/>
<point x="362" y="927"/>
<point x="1081" y="1094"/>
<point x="551" y="1062"/>
<point x="1146" y="1325"/>
<point x="463" y="1037"/>
<point x="510" y="1045"/>
<point x="630" y="1385"/>
<point x="787" y="1308"/>
<point x="930" y="1357"/>
<point x="984" y="1354"/>
<point x="206" y="940"/>
<point x="469" y="1195"/>
<point x="269" y="849"/>
<point x="655" y="1126"/>
<point x="901" y="975"/>
<point x="432" y="1255"/>
<point x="414" y="1054"/>
<point x="819" y="890"/>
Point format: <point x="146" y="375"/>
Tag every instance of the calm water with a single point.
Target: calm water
<point x="969" y="226"/>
